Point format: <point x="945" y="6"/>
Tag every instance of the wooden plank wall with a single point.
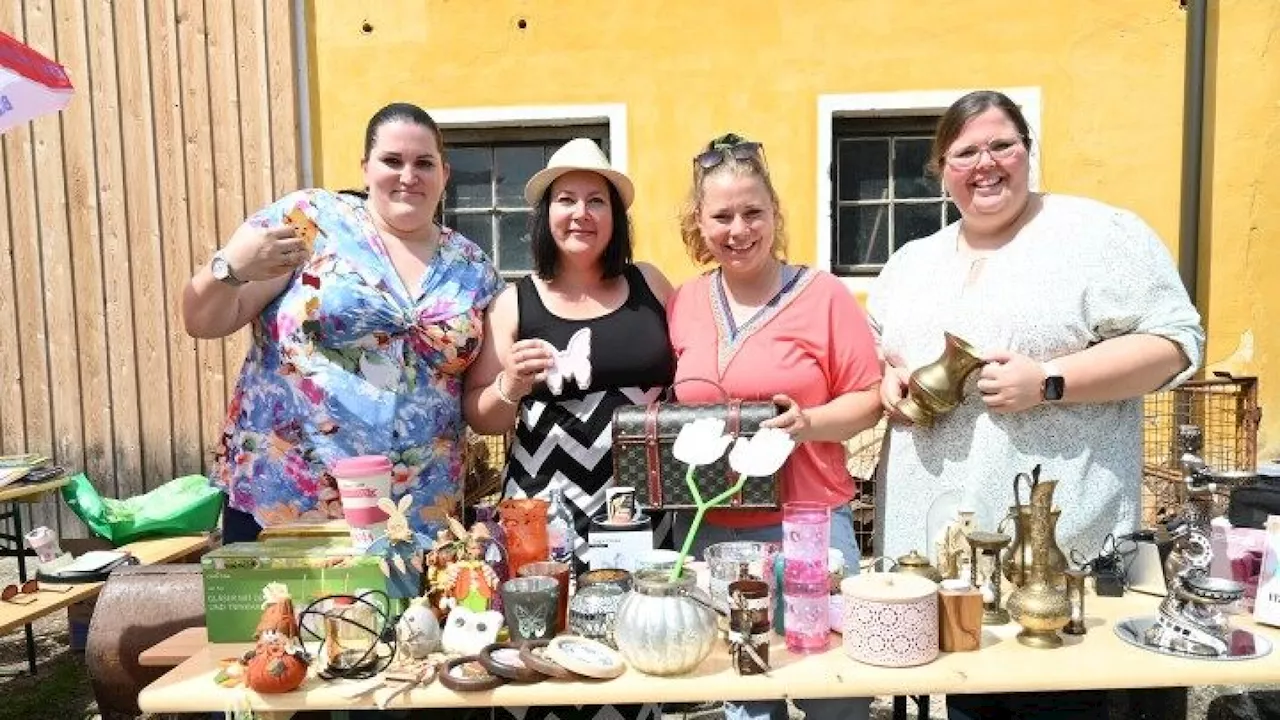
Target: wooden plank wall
<point x="184" y="119"/>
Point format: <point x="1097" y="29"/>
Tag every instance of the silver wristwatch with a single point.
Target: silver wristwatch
<point x="222" y="270"/>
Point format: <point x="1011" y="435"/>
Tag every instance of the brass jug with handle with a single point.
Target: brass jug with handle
<point x="1016" y="563"/>
<point x="1040" y="605"/>
<point x="936" y="389"/>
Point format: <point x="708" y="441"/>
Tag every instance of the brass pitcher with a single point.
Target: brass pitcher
<point x="1017" y="558"/>
<point x="937" y="388"/>
<point x="1040" y="606"/>
<point x="1016" y="564"/>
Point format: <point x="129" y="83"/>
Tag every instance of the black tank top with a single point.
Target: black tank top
<point x="630" y="346"/>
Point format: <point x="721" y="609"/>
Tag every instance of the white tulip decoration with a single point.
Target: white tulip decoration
<point x="702" y="442"/>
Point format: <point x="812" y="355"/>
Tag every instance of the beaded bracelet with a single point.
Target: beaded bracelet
<point x="497" y="385"/>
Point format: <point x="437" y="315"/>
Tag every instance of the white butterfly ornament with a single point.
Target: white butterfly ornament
<point x="572" y="363"/>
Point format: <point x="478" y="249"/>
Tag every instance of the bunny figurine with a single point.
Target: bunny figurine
<point x="400" y="550"/>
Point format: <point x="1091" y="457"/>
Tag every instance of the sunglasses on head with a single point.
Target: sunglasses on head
<point x="721" y="153"/>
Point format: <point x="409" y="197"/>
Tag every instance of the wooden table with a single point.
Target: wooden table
<point x="11" y="545"/>
<point x="148" y="552"/>
<point x="1098" y="660"/>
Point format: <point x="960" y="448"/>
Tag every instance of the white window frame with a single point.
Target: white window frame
<point x="896" y="104"/>
<point x="611" y="115"/>
<point x="614" y="115"/>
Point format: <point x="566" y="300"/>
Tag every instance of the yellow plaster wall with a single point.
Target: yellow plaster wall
<point x="1240" y="253"/>
<point x="1110" y="74"/>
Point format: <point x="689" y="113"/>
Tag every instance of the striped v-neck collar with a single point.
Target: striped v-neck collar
<point x="730" y="342"/>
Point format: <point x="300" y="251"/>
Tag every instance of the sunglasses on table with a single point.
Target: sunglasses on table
<point x="741" y="151"/>
<point x="25" y="591"/>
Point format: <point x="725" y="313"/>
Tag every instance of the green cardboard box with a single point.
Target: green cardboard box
<point x="234" y="576"/>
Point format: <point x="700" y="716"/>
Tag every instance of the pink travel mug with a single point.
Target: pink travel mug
<point x="361" y="482"/>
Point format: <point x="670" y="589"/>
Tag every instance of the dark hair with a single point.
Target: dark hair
<point x="397" y="112"/>
<point x="400" y="112"/>
<point x="967" y="108"/>
<point x="546" y="256"/>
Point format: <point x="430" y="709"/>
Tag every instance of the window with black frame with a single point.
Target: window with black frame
<point x="484" y="199"/>
<point x="881" y="195"/>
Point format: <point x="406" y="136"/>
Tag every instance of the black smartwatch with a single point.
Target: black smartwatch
<point x="1053" y="387"/>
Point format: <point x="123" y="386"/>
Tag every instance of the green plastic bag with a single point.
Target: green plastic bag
<point x="182" y="506"/>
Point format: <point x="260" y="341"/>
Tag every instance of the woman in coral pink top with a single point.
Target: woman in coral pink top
<point x="764" y="329"/>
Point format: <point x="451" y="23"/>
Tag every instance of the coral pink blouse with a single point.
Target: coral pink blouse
<point x="813" y="343"/>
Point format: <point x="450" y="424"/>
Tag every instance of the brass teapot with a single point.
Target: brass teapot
<point x="1040" y="606"/>
<point x="913" y="563"/>
<point x="937" y="388"/>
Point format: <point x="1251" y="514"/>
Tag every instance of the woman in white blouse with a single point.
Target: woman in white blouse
<point x="1077" y="308"/>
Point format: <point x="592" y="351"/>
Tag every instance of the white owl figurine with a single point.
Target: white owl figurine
<point x="467" y="632"/>
<point x="418" y="630"/>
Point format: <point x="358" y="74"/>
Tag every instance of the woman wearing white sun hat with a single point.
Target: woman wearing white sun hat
<point x="583" y="279"/>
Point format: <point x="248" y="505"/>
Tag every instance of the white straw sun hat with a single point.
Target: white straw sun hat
<point x="578" y="154"/>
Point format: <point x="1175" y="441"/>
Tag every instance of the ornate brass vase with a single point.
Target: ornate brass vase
<point x="1040" y="606"/>
<point x="1017" y="559"/>
<point x="1016" y="564"/>
<point x="937" y="388"/>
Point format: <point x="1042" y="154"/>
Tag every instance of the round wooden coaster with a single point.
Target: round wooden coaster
<point x="466" y="674"/>
<point x="534" y="654"/>
<point x="586" y="657"/>
<point x="503" y="660"/>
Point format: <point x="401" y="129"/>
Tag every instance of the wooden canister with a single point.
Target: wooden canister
<point x="890" y="619"/>
<point x="959" y="617"/>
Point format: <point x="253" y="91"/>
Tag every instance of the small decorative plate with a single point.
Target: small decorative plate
<point x="503" y="660"/>
<point x="534" y="654"/>
<point x="466" y="674"/>
<point x="586" y="657"/>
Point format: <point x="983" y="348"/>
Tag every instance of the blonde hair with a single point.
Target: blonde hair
<point x="753" y="166"/>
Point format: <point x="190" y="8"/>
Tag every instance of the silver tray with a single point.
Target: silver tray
<point x="1245" y="645"/>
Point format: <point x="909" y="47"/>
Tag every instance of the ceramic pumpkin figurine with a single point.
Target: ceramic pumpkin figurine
<point x="274" y="668"/>
<point x="278" y="663"/>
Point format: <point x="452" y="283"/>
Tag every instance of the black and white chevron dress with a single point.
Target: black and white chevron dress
<point x="565" y="441"/>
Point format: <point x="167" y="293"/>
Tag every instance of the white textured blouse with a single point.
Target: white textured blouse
<point x="1078" y="273"/>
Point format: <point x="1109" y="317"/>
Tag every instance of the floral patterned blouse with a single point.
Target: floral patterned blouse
<point x="347" y="361"/>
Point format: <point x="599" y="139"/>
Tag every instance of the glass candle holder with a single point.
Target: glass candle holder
<point x="529" y="605"/>
<point x="524" y="520"/>
<point x="806" y="535"/>
<point x="1075" y="596"/>
<point x="984" y="573"/>
<point x="735" y="560"/>
<point x="560" y="573"/>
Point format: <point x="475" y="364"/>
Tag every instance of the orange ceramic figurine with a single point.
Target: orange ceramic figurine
<point x="278" y="663"/>
<point x="468" y="581"/>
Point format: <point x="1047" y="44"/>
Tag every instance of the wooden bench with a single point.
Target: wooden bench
<point x="172" y="651"/>
<point x="15" y="615"/>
